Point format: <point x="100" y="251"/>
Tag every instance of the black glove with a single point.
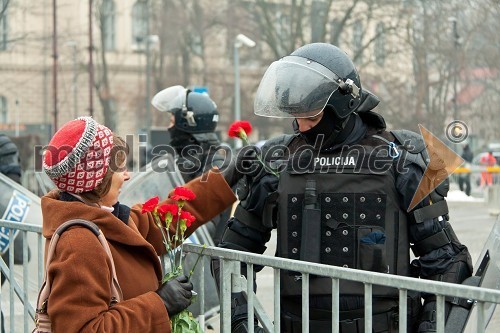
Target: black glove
<point x="253" y="193"/>
<point x="176" y="294"/>
<point x="428" y="320"/>
<point x="245" y="163"/>
<point x="241" y="326"/>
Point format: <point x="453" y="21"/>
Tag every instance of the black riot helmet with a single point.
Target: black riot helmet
<point x="194" y="113"/>
<point x="302" y="84"/>
<point x="9" y="157"/>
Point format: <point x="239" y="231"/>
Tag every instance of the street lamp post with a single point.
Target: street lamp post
<point x="152" y="42"/>
<point x="239" y="41"/>
<point x="456" y="44"/>
<point x="74" y="46"/>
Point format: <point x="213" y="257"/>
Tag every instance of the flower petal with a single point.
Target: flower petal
<point x="183" y="193"/>
<point x="150" y="205"/>
<point x="238" y="126"/>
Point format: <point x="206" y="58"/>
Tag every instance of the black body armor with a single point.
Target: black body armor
<point x="357" y="214"/>
<point x="347" y="207"/>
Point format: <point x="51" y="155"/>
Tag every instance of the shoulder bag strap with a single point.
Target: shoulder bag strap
<point x="116" y="293"/>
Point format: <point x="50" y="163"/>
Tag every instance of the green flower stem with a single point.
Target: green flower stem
<point x="180" y="204"/>
<point x="165" y="237"/>
<point x="243" y="138"/>
<point x="168" y="246"/>
<point x="170" y="252"/>
<point x="177" y="237"/>
<point x="196" y="263"/>
<point x="182" y="242"/>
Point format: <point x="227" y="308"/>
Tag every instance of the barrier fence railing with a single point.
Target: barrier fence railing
<point x="231" y="281"/>
<point x="30" y="281"/>
<point x="230" y="267"/>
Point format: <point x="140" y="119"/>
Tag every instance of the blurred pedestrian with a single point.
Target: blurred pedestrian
<point x="487" y="160"/>
<point x="464" y="178"/>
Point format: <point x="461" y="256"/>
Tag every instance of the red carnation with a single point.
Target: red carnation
<point x="240" y="129"/>
<point x="150" y="205"/>
<point x="167" y="208"/>
<point x="188" y="217"/>
<point x="183" y="194"/>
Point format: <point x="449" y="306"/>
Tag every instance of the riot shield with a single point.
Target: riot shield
<point x="158" y="178"/>
<point x="19" y="205"/>
<point x="486" y="275"/>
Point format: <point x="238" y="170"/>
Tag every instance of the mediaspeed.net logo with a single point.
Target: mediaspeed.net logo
<point x="195" y="158"/>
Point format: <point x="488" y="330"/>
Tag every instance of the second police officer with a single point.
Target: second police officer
<point x="194" y="119"/>
<point x="342" y="199"/>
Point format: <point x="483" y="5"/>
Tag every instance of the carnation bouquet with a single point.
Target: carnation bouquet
<point x="164" y="215"/>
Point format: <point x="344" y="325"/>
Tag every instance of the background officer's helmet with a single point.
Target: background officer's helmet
<point x="9" y="157"/>
<point x="193" y="112"/>
<point x="199" y="116"/>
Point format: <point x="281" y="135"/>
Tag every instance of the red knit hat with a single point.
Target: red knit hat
<point x="77" y="157"/>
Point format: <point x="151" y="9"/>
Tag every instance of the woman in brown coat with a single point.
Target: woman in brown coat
<point x="86" y="161"/>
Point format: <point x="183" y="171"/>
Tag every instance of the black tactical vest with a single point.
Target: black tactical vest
<point x="342" y="209"/>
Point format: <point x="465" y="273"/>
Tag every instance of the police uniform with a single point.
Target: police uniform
<point x="344" y="203"/>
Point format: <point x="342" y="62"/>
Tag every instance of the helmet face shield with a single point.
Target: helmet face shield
<point x="193" y="112"/>
<point x="170" y="99"/>
<point x="294" y="87"/>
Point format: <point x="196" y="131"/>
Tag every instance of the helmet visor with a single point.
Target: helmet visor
<point x="170" y="99"/>
<point x="294" y="87"/>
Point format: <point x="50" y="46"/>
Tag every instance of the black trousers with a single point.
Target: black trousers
<point x="464" y="183"/>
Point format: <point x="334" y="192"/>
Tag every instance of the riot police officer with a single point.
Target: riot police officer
<point x="342" y="196"/>
<point x="11" y="167"/>
<point x="194" y="118"/>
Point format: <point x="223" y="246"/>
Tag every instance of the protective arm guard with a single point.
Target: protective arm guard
<point x="441" y="255"/>
<point x="450" y="262"/>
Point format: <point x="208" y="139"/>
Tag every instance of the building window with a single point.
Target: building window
<point x="357" y="40"/>
<point x="3" y="110"/>
<point x="139" y="25"/>
<point x="380" y="45"/>
<point x="108" y="25"/>
<point x="3" y="25"/>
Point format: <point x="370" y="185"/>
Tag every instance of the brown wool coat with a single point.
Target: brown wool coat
<point x="80" y="272"/>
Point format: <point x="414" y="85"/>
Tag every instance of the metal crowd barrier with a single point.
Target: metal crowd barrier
<point x="24" y="281"/>
<point x="232" y="282"/>
<point x="32" y="276"/>
<point x="24" y="292"/>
